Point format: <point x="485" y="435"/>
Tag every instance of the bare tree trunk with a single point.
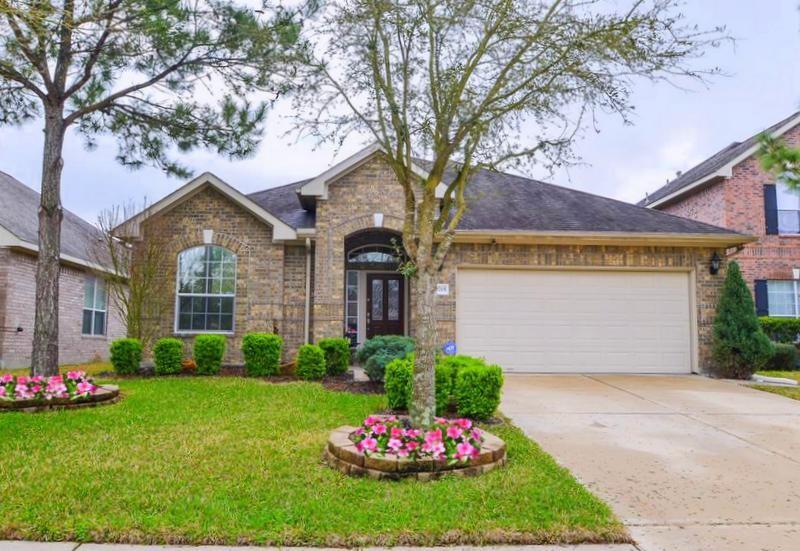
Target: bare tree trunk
<point x="423" y="403"/>
<point x="45" y="331"/>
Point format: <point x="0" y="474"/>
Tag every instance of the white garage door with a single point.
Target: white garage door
<point x="575" y="321"/>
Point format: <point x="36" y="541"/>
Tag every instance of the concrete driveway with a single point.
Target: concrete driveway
<point x="688" y="463"/>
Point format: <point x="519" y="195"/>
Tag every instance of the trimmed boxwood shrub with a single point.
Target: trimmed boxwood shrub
<point x="167" y="355"/>
<point x="208" y="353"/>
<point x="478" y="390"/>
<point x="454" y="363"/>
<point x="126" y="355"/>
<point x="262" y="354"/>
<point x="739" y="345"/>
<point x="783" y="330"/>
<point x="378" y="351"/>
<point x="337" y="355"/>
<point x="398" y="384"/>
<point x="784" y="357"/>
<point x="310" y="362"/>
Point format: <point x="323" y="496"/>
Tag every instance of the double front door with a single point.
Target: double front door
<point x="384" y="304"/>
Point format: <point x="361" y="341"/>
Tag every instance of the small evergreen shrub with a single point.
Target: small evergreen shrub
<point x="376" y="352"/>
<point x="739" y="346"/>
<point x="126" y="355"/>
<point x="167" y="355"/>
<point x="208" y="353"/>
<point x="337" y="355"/>
<point x="478" y="390"/>
<point x="262" y="354"/>
<point x="454" y="363"/>
<point x="783" y="330"/>
<point x="784" y="357"/>
<point x="310" y="362"/>
<point x="398" y="382"/>
<point x="444" y="387"/>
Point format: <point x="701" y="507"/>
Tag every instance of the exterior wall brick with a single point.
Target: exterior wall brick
<point x="737" y="203"/>
<point x="264" y="303"/>
<point x="17" y="297"/>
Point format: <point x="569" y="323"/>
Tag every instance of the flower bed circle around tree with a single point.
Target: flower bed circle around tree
<point x="73" y="390"/>
<point x="387" y="447"/>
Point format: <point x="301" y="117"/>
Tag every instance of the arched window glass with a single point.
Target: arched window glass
<point x="206" y="289"/>
<point x="373" y="254"/>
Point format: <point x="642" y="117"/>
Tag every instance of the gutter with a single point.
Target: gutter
<point x="604" y="238"/>
<point x="307" y="313"/>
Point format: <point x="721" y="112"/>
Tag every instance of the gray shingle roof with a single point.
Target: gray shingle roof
<point x="19" y="214"/>
<point x="712" y="164"/>
<point x="505" y="202"/>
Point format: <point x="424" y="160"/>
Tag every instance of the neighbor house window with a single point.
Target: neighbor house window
<point x="782" y="298"/>
<point x="788" y="209"/>
<point x="206" y="289"/>
<point x="94" y="306"/>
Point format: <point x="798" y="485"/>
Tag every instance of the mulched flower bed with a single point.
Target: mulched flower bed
<point x="38" y="393"/>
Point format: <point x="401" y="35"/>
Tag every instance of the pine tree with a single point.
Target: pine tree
<point x="740" y="346"/>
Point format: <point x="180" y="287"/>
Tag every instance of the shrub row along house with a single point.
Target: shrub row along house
<point x="540" y="278"/>
<point x="87" y="322"/>
<point x="730" y="189"/>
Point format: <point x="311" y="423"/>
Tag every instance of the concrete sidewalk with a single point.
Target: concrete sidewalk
<point x="69" y="546"/>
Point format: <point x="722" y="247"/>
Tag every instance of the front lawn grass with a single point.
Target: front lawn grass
<point x="788" y="391"/>
<point x="229" y="460"/>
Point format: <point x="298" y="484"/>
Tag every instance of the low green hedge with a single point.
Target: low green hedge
<point x="262" y="354"/>
<point x="337" y="355"/>
<point x="208" y="353"/>
<point x="784" y="357"/>
<point x="310" y="362"/>
<point x="783" y="330"/>
<point x="126" y="355"/>
<point x="473" y="402"/>
<point x="167" y="355"/>
<point x="477" y="390"/>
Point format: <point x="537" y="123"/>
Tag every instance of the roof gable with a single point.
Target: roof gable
<point x="281" y="230"/>
<point x="719" y="165"/>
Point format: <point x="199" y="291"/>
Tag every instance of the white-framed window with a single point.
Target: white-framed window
<point x="206" y="290"/>
<point x="782" y="298"/>
<point x="351" y="304"/>
<point x="788" y="209"/>
<point x="95" y="306"/>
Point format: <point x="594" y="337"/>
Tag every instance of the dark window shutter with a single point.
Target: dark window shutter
<point x="762" y="301"/>
<point x="771" y="208"/>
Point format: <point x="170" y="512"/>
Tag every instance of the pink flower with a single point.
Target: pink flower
<point x="397" y="432"/>
<point x="23" y="380"/>
<point x="7" y="378"/>
<point x="370" y="444"/>
<point x="22" y="392"/>
<point x="359" y="431"/>
<point x="464" y="450"/>
<point x="413" y="433"/>
<point x="436" y="449"/>
<point x="476" y="435"/>
<point x="453" y="432"/>
<point x="2" y="391"/>
<point x="75" y="375"/>
<point x="465" y="424"/>
<point x="369" y="421"/>
<point x="84" y="387"/>
<point x="411" y="446"/>
<point x="36" y="389"/>
<point x="441" y="421"/>
<point x="379" y="429"/>
<point x="37" y="379"/>
<point x="395" y="444"/>
<point x="433" y="436"/>
<point x="403" y="452"/>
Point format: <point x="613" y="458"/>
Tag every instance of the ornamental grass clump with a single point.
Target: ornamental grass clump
<point x="451" y="440"/>
<point x="76" y="385"/>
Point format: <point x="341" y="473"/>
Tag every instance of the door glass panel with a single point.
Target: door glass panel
<point x="377" y="299"/>
<point x="393" y="290"/>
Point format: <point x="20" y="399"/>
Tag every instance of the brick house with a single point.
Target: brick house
<point x="86" y="322"/>
<point x="540" y="277"/>
<point x="731" y="190"/>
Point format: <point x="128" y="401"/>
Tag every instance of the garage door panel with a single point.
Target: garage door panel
<point x="575" y="321"/>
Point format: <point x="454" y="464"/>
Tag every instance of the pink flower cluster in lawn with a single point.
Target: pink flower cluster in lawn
<point x="76" y="384"/>
<point x="453" y="440"/>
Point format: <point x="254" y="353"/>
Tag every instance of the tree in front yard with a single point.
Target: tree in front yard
<point x="740" y="346"/>
<point x="159" y="76"/>
<point x="473" y="85"/>
<point x="780" y="159"/>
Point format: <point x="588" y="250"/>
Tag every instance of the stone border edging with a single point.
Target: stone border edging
<point x="105" y="395"/>
<point x="341" y="454"/>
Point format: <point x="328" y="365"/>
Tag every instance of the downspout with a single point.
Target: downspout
<point x="307" y="317"/>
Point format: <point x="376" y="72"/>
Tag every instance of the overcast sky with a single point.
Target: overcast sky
<point x="673" y="129"/>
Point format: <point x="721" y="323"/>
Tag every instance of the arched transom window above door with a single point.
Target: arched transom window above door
<point x="206" y="290"/>
<point x="373" y="256"/>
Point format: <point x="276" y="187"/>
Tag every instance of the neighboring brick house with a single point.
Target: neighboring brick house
<point x="87" y="323"/>
<point x="540" y="277"/>
<point x="730" y="189"/>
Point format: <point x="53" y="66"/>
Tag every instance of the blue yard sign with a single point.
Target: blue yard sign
<point x="449" y="348"/>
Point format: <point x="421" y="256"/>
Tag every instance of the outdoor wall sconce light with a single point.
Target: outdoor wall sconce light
<point x="715" y="262"/>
